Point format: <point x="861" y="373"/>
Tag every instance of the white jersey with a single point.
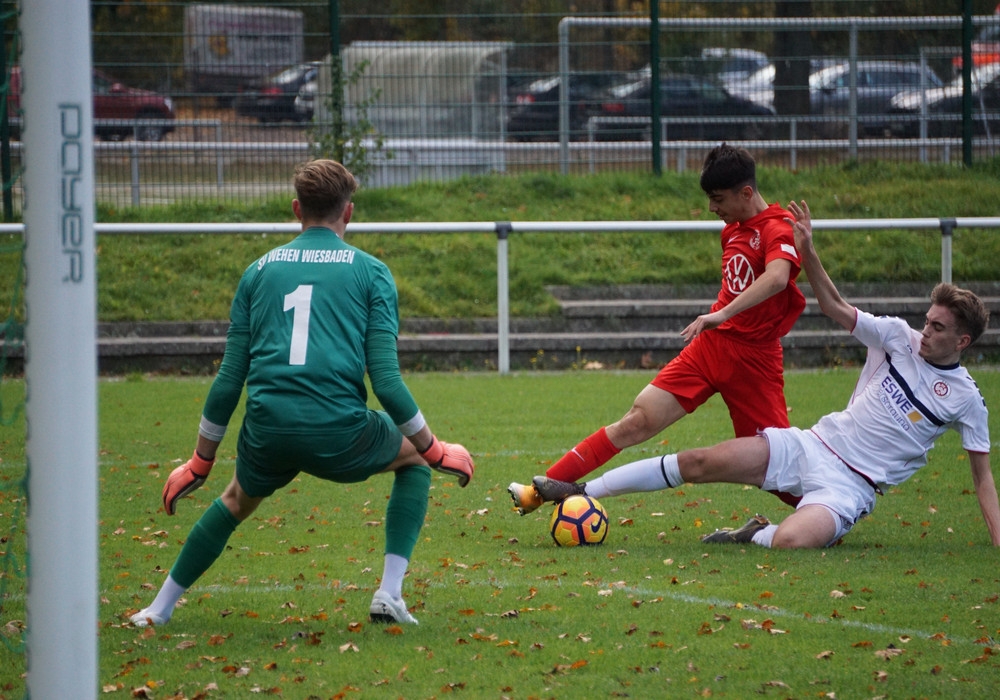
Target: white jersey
<point x="901" y="405"/>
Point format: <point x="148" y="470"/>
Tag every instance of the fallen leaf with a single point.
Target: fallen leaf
<point x="983" y="658"/>
<point x="889" y="653"/>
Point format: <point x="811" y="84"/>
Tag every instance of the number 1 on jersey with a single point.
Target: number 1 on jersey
<point x="299" y="302"/>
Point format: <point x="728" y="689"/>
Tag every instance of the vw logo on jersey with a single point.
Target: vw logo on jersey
<point x="941" y="389"/>
<point x="739" y="274"/>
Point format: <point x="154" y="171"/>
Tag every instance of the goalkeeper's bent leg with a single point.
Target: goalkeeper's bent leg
<point x="204" y="544"/>
<point x="404" y="516"/>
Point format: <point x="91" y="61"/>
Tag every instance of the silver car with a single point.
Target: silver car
<point x="830" y="93"/>
<point x="876" y="84"/>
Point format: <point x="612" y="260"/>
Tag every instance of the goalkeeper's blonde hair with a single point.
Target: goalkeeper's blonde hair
<point x="323" y="188"/>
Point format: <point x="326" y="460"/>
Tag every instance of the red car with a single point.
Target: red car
<point x="119" y="111"/>
<point x="985" y="48"/>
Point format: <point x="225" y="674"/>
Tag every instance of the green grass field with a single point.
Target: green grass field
<point x="906" y="607"/>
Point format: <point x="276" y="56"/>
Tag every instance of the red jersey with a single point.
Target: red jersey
<point x="747" y="248"/>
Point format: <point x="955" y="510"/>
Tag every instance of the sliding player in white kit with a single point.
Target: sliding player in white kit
<point x="911" y="390"/>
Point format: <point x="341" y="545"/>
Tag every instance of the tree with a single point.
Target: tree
<point x="351" y="142"/>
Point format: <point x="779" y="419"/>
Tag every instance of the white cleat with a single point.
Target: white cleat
<point x="146" y="618"/>
<point x="386" y="609"/>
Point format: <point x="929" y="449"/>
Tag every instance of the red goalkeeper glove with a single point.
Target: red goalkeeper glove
<point x="185" y="479"/>
<point x="451" y="459"/>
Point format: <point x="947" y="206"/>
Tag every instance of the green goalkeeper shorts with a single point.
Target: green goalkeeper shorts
<point x="266" y="462"/>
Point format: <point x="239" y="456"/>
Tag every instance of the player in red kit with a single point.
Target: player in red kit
<point x="733" y="350"/>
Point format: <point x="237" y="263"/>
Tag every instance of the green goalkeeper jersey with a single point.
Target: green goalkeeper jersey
<point x="297" y="339"/>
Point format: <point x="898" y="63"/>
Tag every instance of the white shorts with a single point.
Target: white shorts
<point x="803" y="466"/>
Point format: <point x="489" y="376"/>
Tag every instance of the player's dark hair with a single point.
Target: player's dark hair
<point x="728" y="168"/>
<point x="971" y="314"/>
<point x="323" y="188"/>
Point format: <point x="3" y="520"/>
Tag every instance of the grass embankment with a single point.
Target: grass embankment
<point x="192" y="277"/>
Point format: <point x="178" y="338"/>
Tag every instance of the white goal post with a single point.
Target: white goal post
<point x="60" y="349"/>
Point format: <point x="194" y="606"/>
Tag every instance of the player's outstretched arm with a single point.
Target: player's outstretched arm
<point x="986" y="493"/>
<point x="827" y="294"/>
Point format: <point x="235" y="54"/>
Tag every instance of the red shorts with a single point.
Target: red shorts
<point x="748" y="376"/>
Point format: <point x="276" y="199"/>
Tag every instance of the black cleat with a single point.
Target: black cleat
<point x="555" y="490"/>
<point x="739" y="536"/>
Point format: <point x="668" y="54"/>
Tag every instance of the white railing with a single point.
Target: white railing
<point x="503" y="230"/>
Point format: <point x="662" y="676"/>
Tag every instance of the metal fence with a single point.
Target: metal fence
<point x="196" y="101"/>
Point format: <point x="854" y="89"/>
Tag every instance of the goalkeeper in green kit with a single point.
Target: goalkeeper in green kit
<point x="308" y="320"/>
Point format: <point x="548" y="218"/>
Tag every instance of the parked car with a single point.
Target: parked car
<point x="944" y="106"/>
<point x="733" y="66"/>
<point x="985" y="47"/>
<point x="305" y="101"/>
<point x="535" y="114"/>
<point x="830" y="92"/>
<point x="757" y="87"/>
<point x="273" y="98"/>
<point x="119" y="111"/>
<point x="877" y="83"/>
<point x="693" y="97"/>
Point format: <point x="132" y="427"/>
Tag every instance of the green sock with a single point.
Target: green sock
<point x="204" y="544"/>
<point x="404" y="516"/>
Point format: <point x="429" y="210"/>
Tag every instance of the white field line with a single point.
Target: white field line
<point x="745" y="609"/>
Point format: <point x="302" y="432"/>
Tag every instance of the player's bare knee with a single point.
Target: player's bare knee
<point x="634" y="427"/>
<point x="786" y="540"/>
<point x="796" y="538"/>
<point x="695" y="465"/>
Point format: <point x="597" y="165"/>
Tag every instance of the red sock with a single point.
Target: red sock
<point x="590" y="454"/>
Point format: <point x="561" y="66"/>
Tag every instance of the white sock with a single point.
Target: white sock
<point x="392" y="575"/>
<point x="652" y="474"/>
<point x="765" y="535"/>
<point x="165" y="601"/>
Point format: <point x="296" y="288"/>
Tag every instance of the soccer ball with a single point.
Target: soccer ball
<point x="578" y="520"/>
